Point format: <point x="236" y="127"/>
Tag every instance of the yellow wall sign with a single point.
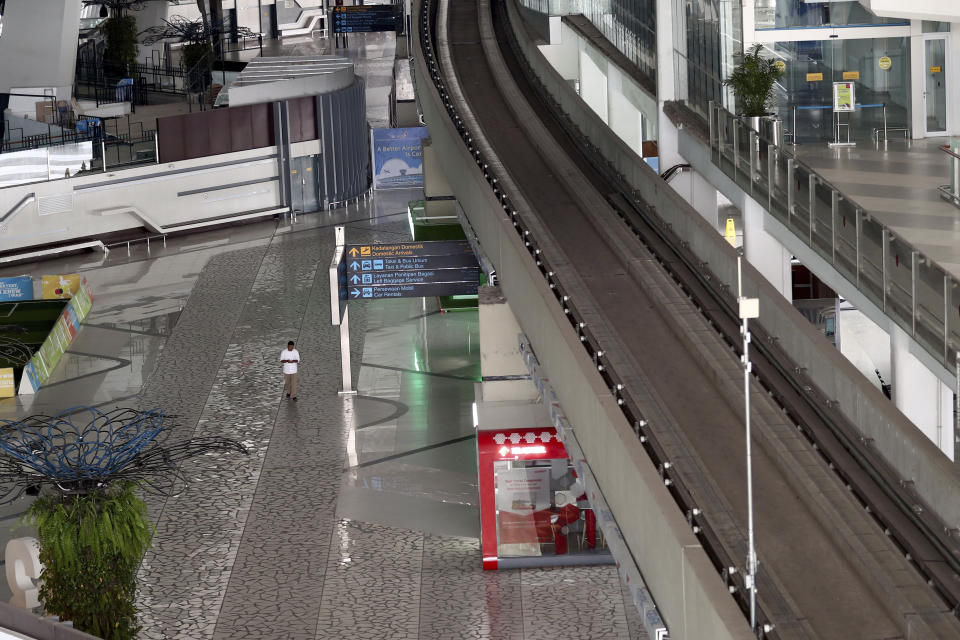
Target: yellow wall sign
<point x="884" y="62"/>
<point x="7" y="390"/>
<point x="814" y="77"/>
<point x="780" y="65"/>
<point x="59" y="286"/>
<point x="851" y="75"/>
<point x="935" y="69"/>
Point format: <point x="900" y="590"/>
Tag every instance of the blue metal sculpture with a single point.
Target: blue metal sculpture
<point x="83" y="449"/>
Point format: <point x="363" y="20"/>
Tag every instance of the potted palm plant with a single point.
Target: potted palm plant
<point x="752" y="81"/>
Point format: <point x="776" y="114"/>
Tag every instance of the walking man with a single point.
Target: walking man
<point x="290" y="357"/>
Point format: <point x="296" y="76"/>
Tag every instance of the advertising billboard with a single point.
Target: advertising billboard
<point x="397" y="157"/>
<point x="15" y="289"/>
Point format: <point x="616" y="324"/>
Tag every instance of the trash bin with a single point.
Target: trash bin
<point x="772" y="130"/>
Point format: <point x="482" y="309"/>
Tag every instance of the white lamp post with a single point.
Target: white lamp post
<point x="748" y="308"/>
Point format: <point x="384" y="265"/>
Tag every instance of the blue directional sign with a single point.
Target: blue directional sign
<point x="366" y="18"/>
<point x="409" y="250"/>
<point x="414" y="276"/>
<point x="408" y="263"/>
<point x="409" y="270"/>
<point x="420" y="290"/>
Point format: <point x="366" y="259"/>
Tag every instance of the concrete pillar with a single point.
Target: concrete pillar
<point x="438" y="195"/>
<point x="865" y="344"/>
<point x="593" y="80"/>
<point x="697" y="191"/>
<point x="764" y="251"/>
<point x="703" y="197"/>
<point x="504" y="374"/>
<point x="667" y="137"/>
<point x="625" y="119"/>
<point x="563" y="52"/>
<point x="920" y="395"/>
<point x="39" y="45"/>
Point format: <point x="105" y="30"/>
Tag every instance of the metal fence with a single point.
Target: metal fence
<point x="920" y="296"/>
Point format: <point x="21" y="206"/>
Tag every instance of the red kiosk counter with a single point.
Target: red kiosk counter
<point x="533" y="510"/>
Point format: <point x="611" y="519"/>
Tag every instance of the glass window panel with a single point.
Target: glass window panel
<point x="788" y="14"/>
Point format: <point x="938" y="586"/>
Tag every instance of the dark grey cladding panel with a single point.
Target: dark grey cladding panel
<point x="344" y="140"/>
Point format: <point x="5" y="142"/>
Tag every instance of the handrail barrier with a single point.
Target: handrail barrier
<point x="824" y="107"/>
<point x="919" y="295"/>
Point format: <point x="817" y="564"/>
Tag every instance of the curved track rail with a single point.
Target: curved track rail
<point x="828" y="562"/>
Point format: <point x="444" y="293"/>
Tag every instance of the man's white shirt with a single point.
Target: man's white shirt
<point x="287" y="354"/>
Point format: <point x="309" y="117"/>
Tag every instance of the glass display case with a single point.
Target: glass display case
<point x="533" y="508"/>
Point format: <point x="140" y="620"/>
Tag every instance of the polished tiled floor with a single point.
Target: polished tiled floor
<point x="352" y="517"/>
<point x="897" y="184"/>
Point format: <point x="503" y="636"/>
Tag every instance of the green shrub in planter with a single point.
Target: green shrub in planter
<point x="752" y="81"/>
<point x="198" y="65"/>
<point x="92" y="524"/>
<point x="121" y="48"/>
<point x="90" y="546"/>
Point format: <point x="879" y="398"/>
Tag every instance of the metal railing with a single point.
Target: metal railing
<point x="919" y="295"/>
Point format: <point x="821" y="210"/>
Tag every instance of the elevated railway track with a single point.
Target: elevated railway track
<point x="845" y="551"/>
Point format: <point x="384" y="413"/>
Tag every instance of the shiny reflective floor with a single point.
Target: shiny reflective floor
<point x="352" y="516"/>
<point x="897" y="184"/>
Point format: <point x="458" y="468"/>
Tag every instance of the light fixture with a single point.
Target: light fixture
<point x="103" y="11"/>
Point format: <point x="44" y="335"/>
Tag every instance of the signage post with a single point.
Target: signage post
<point x="339" y="313"/>
<point x="400" y="270"/>
<point x="844" y="101"/>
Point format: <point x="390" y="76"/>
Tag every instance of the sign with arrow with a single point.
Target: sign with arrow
<point x="366" y="18"/>
<point x="417" y="290"/>
<point x="409" y="270"/>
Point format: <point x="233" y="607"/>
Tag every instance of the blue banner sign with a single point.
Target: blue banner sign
<point x="18" y="288"/>
<point x="397" y="157"/>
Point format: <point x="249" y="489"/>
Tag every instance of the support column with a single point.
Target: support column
<point x="625" y="119"/>
<point x="504" y="374"/>
<point x="865" y="344"/>
<point x="764" y="251"/>
<point x="920" y="395"/>
<point x="667" y="137"/>
<point x="703" y="198"/>
<point x="593" y="80"/>
<point x="918" y="113"/>
<point x="563" y="52"/>
<point x="39" y="45"/>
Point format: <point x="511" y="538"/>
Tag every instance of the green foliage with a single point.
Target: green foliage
<point x="752" y="82"/>
<point x="121" y="49"/>
<point x="91" y="546"/>
<point x="198" y="63"/>
<point x="198" y="53"/>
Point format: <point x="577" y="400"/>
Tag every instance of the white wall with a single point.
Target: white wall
<point x="764" y="251"/>
<point x="915" y="9"/>
<point x="593" y="80"/>
<point x="608" y="90"/>
<point x="865" y="344"/>
<point x="90" y="205"/>
<point x="39" y="44"/>
<point x="625" y="118"/>
<point x="563" y="54"/>
<point x="920" y="395"/>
